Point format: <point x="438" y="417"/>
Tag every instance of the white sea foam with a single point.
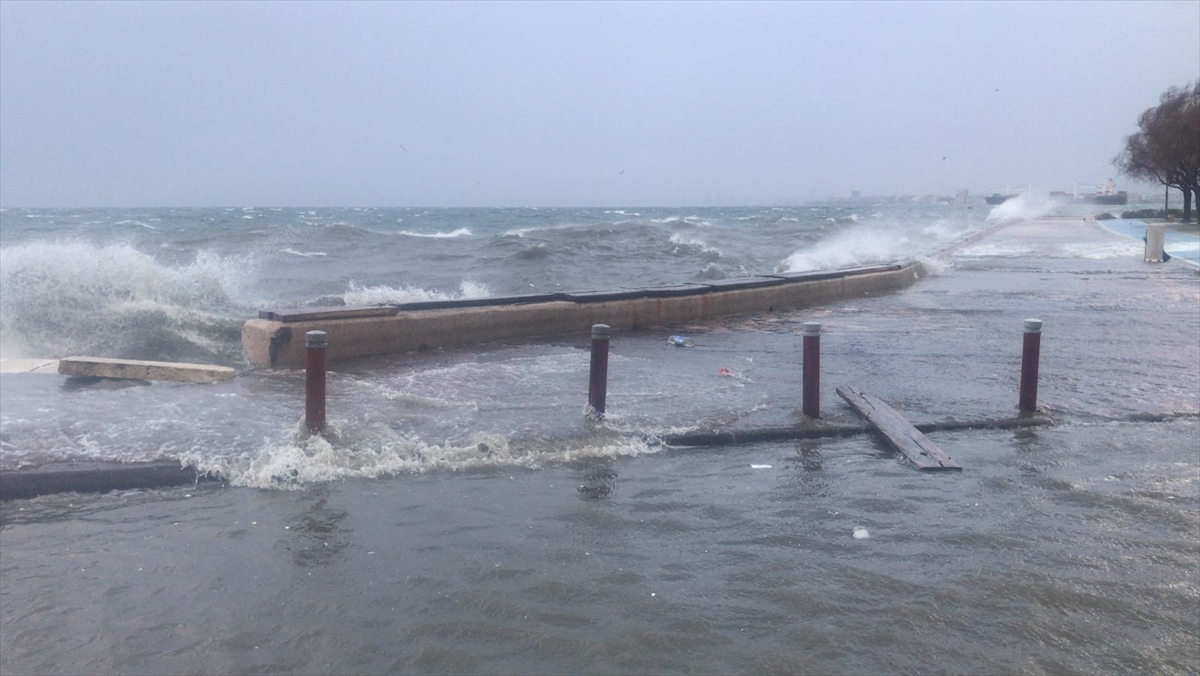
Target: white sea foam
<point x="519" y="232"/>
<point x="382" y="294"/>
<point x="1093" y="251"/>
<point x="68" y="298"/>
<point x="1025" y="206"/>
<point x="934" y="266"/>
<point x="382" y="451"/>
<point x="857" y="246"/>
<point x="460" y="232"/>
<point x="943" y="230"/>
<point x="138" y="223"/>
<point x="304" y="254"/>
<point x="690" y="245"/>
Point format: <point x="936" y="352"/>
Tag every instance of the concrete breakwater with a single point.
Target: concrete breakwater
<point x="276" y="339"/>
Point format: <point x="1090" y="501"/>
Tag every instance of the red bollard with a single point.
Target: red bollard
<point x="598" y="376"/>
<point x="314" y="381"/>
<point x="1030" y="353"/>
<point x="812" y="370"/>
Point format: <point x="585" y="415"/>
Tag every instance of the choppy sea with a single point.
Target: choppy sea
<point x="176" y="284"/>
<point x="463" y="517"/>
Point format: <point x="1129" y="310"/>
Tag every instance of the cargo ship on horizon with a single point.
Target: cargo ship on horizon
<point x="1002" y="197"/>
<point x="1106" y="194"/>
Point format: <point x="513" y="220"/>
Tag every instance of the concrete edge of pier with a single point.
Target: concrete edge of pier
<point x="278" y="343"/>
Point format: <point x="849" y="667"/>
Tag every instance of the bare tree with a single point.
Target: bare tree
<point x="1166" y="147"/>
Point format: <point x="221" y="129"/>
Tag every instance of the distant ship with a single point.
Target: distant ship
<point x="1002" y="197"/>
<point x="997" y="198"/>
<point x="1121" y="197"/>
<point x="1106" y="194"/>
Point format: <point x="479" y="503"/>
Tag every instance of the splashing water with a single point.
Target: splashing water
<point x="1023" y="207"/>
<point x="75" y="298"/>
<point x="382" y="294"/>
<point x="851" y="247"/>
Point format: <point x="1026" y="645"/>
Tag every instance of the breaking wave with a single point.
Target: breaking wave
<point x="1023" y="207"/>
<point x="381" y="450"/>
<point x="303" y="254"/>
<point x="859" y="246"/>
<point x="684" y="245"/>
<point x="63" y="299"/>
<point x="453" y="234"/>
<point x="384" y="295"/>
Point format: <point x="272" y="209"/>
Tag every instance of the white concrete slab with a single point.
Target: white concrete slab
<point x="28" y="366"/>
<point x="143" y="370"/>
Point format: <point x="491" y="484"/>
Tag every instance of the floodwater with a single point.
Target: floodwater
<point x="404" y="546"/>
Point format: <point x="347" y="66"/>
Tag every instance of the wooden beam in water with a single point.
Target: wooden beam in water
<point x="899" y="433"/>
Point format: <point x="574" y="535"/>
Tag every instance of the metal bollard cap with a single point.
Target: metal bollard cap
<point x="601" y="330"/>
<point x="316" y="339"/>
<point x="1033" y="326"/>
<point x="812" y="328"/>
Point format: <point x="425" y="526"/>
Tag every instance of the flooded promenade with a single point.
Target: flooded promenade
<point x="565" y="548"/>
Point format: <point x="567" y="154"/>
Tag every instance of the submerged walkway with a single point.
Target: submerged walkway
<point x="1061" y="549"/>
<point x="1119" y="335"/>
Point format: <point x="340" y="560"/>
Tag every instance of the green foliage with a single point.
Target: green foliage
<point x="1150" y="213"/>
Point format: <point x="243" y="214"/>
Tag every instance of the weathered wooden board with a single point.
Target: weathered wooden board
<point x="898" y="432"/>
<point x="103" y="367"/>
<point x="19" y="484"/>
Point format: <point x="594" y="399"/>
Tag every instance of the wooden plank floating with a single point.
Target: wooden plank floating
<point x="899" y="433"/>
<point x="92" y="477"/>
<point x="752" y="435"/>
<point x="101" y="367"/>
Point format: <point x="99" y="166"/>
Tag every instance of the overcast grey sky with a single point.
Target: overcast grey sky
<point x="555" y="104"/>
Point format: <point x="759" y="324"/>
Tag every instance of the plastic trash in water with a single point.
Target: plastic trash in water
<point x="861" y="533"/>
<point x="760" y="467"/>
<point x="680" y="341"/>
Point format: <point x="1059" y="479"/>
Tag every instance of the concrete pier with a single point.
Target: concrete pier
<point x="277" y="343"/>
